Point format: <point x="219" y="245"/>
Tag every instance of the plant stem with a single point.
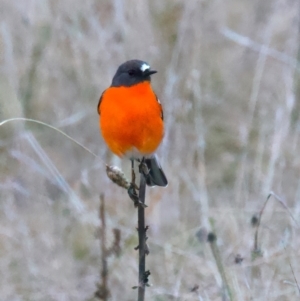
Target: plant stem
<point x="256" y="248"/>
<point x="142" y="238"/>
<point x="104" y="271"/>
<point x="212" y="239"/>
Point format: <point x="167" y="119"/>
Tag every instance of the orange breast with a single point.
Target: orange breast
<point x="130" y="119"/>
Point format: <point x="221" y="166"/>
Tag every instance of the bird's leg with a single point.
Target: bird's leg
<point x="132" y="188"/>
<point x="143" y="168"/>
<point x="133" y="174"/>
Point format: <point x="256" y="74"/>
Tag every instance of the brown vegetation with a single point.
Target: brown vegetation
<point x="228" y="79"/>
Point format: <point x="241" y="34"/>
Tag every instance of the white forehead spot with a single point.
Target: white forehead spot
<point x="145" y="67"/>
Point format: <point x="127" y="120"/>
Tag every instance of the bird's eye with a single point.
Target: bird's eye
<point x="131" y="72"/>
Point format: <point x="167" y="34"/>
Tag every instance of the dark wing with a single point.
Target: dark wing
<point x="156" y="176"/>
<point x="161" y="109"/>
<point x="99" y="103"/>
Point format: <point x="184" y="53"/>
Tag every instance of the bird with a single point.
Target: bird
<point x="131" y="119"/>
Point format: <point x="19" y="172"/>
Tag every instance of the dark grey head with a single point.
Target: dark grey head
<point x="131" y="73"/>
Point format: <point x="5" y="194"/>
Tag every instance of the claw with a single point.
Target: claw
<point x="144" y="169"/>
<point x="133" y="194"/>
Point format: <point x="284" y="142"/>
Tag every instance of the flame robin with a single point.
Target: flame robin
<point x="131" y="118"/>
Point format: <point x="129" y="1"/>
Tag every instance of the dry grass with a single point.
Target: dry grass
<point x="229" y="82"/>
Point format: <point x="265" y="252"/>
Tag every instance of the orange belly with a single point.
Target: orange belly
<point x="130" y="120"/>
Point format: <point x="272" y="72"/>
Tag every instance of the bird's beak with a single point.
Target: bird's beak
<point x="149" y="72"/>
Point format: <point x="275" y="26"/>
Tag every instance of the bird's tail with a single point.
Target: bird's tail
<point x="156" y="176"/>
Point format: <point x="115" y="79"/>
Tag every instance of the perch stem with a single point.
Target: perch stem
<point x="142" y="238"/>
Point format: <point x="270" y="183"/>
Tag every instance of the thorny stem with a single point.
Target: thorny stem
<point x="142" y="238"/>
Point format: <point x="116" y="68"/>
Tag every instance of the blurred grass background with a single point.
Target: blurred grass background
<point x="229" y="83"/>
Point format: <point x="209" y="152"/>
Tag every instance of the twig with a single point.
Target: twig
<point x="142" y="239"/>
<point x="52" y="128"/>
<point x="118" y="177"/>
<point x="295" y="279"/>
<point x="282" y="202"/>
<point x="212" y="238"/>
<point x="104" y="270"/>
<point x="256" y="220"/>
<point x="102" y="291"/>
